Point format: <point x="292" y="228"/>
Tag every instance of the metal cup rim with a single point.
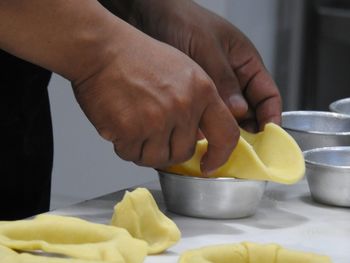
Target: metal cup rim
<point x="316" y="113"/>
<point x="324" y="165"/>
<point x="334" y="104"/>
<point x="207" y="179"/>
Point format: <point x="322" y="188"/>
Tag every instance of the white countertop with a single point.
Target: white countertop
<point x="286" y="215"/>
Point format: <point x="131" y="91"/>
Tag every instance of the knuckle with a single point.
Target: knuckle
<point x="124" y="127"/>
<point x="106" y="133"/>
<point x="183" y="107"/>
<point x="128" y="130"/>
<point x="153" y="161"/>
<point x="180" y="102"/>
<point x="199" y="77"/>
<point x="207" y="87"/>
<point x="203" y="87"/>
<point x="126" y="153"/>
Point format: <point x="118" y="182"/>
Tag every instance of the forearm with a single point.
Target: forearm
<point x="69" y="37"/>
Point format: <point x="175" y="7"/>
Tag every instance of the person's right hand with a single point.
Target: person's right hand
<point x="147" y="98"/>
<point x="150" y="100"/>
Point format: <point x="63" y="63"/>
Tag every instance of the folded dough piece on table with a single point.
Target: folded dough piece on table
<point x="270" y="155"/>
<point x="9" y="256"/>
<point x="139" y="214"/>
<point x="247" y="252"/>
<point x="73" y="237"/>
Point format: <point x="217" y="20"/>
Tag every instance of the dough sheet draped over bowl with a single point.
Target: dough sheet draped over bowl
<point x="270" y="155"/>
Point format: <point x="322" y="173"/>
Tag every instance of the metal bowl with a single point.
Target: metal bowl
<point x="341" y="106"/>
<point x="328" y="175"/>
<point x="216" y="198"/>
<point x="316" y="129"/>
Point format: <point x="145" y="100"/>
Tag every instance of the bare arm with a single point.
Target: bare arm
<point x="58" y="35"/>
<point x="144" y="96"/>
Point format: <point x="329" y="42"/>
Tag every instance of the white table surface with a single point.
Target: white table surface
<point x="287" y="215"/>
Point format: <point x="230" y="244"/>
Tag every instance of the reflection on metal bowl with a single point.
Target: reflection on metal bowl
<point x="341" y="106"/>
<point x="315" y="129"/>
<point x="217" y="198"/>
<point x="328" y="175"/>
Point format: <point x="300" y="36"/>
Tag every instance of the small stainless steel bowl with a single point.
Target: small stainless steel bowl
<point x="328" y="175"/>
<point x="216" y="198"/>
<point x="341" y="106"/>
<point x="316" y="129"/>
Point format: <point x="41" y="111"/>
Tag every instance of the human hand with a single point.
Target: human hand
<point x="146" y="97"/>
<point x="228" y="57"/>
<point x="150" y="99"/>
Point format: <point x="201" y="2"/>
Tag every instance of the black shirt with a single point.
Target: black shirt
<point x="26" y="144"/>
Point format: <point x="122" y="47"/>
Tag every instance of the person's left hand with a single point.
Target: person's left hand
<point x="224" y="52"/>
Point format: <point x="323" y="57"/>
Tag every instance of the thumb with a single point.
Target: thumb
<point x="218" y="68"/>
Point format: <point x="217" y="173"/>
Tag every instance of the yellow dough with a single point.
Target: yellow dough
<point x="9" y="256"/>
<point x="270" y="155"/>
<point x="72" y="237"/>
<point x="139" y="214"/>
<point x="250" y="253"/>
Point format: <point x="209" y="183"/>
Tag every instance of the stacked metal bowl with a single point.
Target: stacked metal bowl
<point x="324" y="138"/>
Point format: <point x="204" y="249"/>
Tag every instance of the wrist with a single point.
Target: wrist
<point x="98" y="47"/>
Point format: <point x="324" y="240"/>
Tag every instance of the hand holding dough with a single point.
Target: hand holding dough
<point x="270" y="155"/>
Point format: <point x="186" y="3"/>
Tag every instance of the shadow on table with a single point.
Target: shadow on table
<point x="196" y="226"/>
<point x="272" y="215"/>
<point x="307" y="199"/>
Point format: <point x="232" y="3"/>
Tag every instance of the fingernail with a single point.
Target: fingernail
<point x="206" y="171"/>
<point x="237" y="100"/>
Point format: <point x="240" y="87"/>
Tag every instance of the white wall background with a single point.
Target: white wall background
<point x="85" y="166"/>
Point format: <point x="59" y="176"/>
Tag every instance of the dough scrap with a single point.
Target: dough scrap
<point x="72" y="237"/>
<point x="9" y="256"/>
<point x="139" y="214"/>
<point x="270" y="155"/>
<point x="248" y="252"/>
